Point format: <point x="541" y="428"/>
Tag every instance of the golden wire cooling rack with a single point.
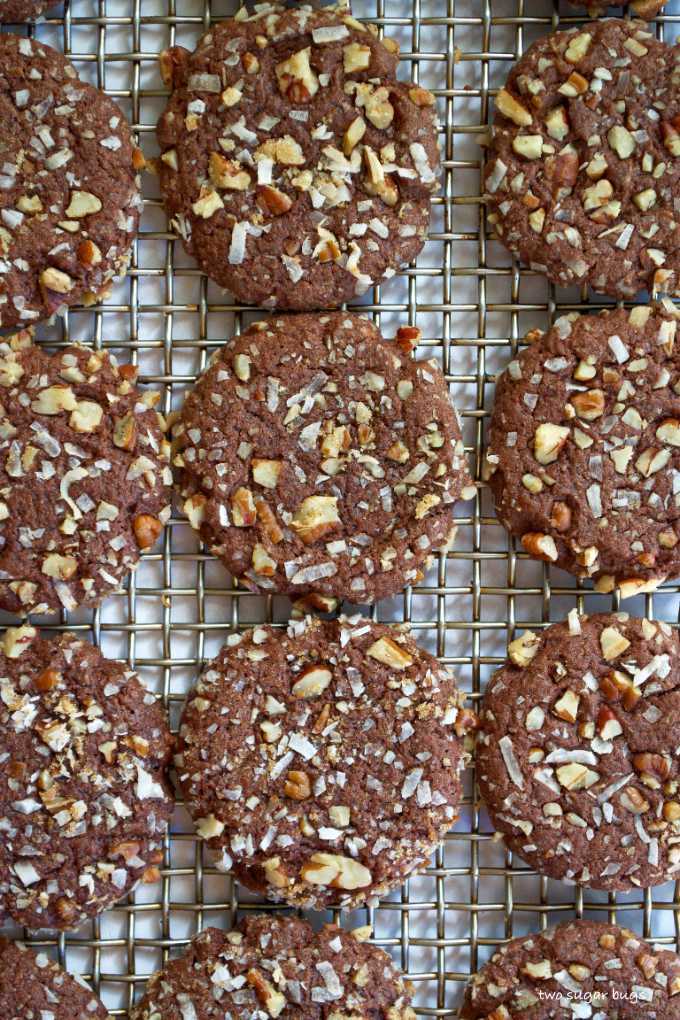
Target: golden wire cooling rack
<point x="473" y="305"/>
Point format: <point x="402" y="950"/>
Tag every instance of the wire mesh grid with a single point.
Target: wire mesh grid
<point x="473" y="305"/>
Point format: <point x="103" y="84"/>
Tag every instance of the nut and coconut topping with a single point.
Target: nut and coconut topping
<point x="315" y="456"/>
<point x="309" y="199"/>
<point x="69" y="188"/>
<point x="323" y="763"/>
<point x="271" y="967"/>
<point x="578" y="969"/>
<point x="577" y="754"/>
<point x="84" y="475"/>
<point x="583" y="454"/>
<point x="83" y="802"/>
<point x="583" y="168"/>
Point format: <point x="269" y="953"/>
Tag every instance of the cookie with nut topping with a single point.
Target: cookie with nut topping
<point x="33" y="985"/>
<point x="84" y="803"/>
<point x="584" y="447"/>
<point x="578" y="969"/>
<point x="323" y="763"/>
<point x="69" y="190"/>
<point x="584" y="165"/>
<point x="314" y="455"/>
<point x="273" y="966"/>
<point x="84" y="475"/>
<point x="295" y="167"/>
<point x="646" y="9"/>
<point x="14" y="11"/>
<point x="576" y="753"/>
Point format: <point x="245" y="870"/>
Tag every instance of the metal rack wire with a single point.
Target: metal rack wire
<point x="473" y="305"/>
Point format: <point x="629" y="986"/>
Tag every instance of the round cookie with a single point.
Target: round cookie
<point x="646" y="9"/>
<point x="16" y="11"/>
<point x="583" y="452"/>
<point x="83" y="799"/>
<point x="583" y="169"/>
<point x="295" y="167"/>
<point x="278" y="967"/>
<point x="576" y="754"/>
<point x="84" y="475"/>
<point x="315" y="455"/>
<point x="32" y="985"/>
<point x="69" y="194"/>
<point x="324" y="762"/>
<point x="578" y="969"/>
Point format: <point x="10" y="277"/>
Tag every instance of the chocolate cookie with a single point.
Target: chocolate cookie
<point x="576" y="754"/>
<point x="15" y="11"/>
<point x="33" y="987"/>
<point x="578" y="969"/>
<point x="69" y="194"/>
<point x="583" y="169"/>
<point x="646" y="9"/>
<point x="323" y="762"/>
<point x="278" y="967"/>
<point x="84" y="475"/>
<point x="295" y="167"/>
<point x="315" y="455"/>
<point x="584" y="447"/>
<point x="83" y="801"/>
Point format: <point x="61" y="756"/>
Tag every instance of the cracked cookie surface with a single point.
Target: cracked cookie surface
<point x="69" y="193"/>
<point x="84" y="475"/>
<point x="576" y="754"/>
<point x="584" y="166"/>
<point x="278" y="967"/>
<point x="294" y="165"/>
<point x="583" y="453"/>
<point x="323" y="763"/>
<point x="578" y="969"/>
<point x="32" y="985"/>
<point x="315" y="456"/>
<point x="83" y="800"/>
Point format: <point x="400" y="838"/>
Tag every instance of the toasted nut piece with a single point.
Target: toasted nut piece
<point x="421" y="97"/>
<point x="314" y="602"/>
<point x="523" y="648"/>
<point x="283" y="150"/>
<point x="82" y="204"/>
<point x="268" y="997"/>
<point x="575" y="85"/>
<point x="47" y="680"/>
<point x="671" y="811"/>
<point x="297" y="81"/>
<point x="60" y="567"/>
<point x="54" y="400"/>
<point x="147" y="529"/>
<point x="566" y="707"/>
<point x="378" y="183"/>
<point x="397" y="451"/>
<point x="576" y="777"/>
<point x="227" y="173"/>
<point x="194" y="508"/>
<point x="336" y="871"/>
<point x="390" y="653"/>
<point x="355" y="57"/>
<point x="315" y="517"/>
<point x="243" y="509"/>
<point x="125" y="432"/>
<point x="613" y="643"/>
<point x="54" y="279"/>
<point x="268" y="520"/>
<point x="207" y="203"/>
<point x="621" y="141"/>
<point x="263" y="564"/>
<point x="16" y="640"/>
<point x="669" y="432"/>
<point x="297" y="786"/>
<point x="632" y="800"/>
<point x="266" y="472"/>
<point x="608" y="725"/>
<point x="377" y="105"/>
<point x="407" y="338"/>
<point x="548" y="441"/>
<point x="273" y="201"/>
<point x="541" y="546"/>
<point x="251" y="65"/>
<point x="512" y="109"/>
<point x="353" y="135"/>
<point x="86" y="416"/>
<point x="168" y="62"/>
<point x="528" y="146"/>
<point x="538" y="970"/>
<point x="560" y="516"/>
<point x="578" y="47"/>
<point x="557" y="123"/>
<point x="242" y="367"/>
<point x="671" y="138"/>
<point x="656" y="764"/>
<point x="312" y="681"/>
<point x="275" y="874"/>
<point x="89" y="254"/>
<point x="589" y="405"/>
<point x="638" y="586"/>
